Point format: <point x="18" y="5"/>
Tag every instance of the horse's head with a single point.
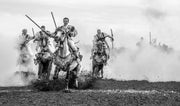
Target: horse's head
<point x="61" y="38"/>
<point x="62" y="43"/>
<point x="100" y="45"/>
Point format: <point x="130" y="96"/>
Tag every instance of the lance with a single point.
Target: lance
<point x="113" y="38"/>
<point x="37" y="25"/>
<point x="54" y="20"/>
<point x="150" y="41"/>
<point x="33" y="31"/>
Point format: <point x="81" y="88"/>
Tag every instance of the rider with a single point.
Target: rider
<point x="140" y="43"/>
<point x="42" y="38"/>
<point x="100" y="38"/>
<point x="25" y="37"/>
<point x="43" y="45"/>
<point x="70" y="32"/>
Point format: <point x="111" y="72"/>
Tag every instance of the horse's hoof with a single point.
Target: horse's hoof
<point x="67" y="91"/>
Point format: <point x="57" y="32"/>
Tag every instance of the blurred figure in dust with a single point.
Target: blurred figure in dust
<point x="24" y="49"/>
<point x="140" y="43"/>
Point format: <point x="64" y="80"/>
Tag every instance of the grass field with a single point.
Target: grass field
<point x="99" y="92"/>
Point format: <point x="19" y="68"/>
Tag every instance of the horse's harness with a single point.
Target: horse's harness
<point x="63" y="62"/>
<point x="100" y="52"/>
<point x="44" y="49"/>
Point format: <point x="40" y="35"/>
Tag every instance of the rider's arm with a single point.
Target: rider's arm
<point x="107" y="45"/>
<point x="73" y="31"/>
<point x="29" y="38"/>
<point x="37" y="36"/>
<point x="106" y="35"/>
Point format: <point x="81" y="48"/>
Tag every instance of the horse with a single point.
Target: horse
<point x="66" y="61"/>
<point x="44" y="59"/>
<point x="99" y="60"/>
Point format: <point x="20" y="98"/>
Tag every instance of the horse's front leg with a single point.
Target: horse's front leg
<point x="67" y="80"/>
<point x="56" y="73"/>
<point x="76" y="72"/>
<point x="40" y="68"/>
<point x="71" y="75"/>
<point x="93" y="69"/>
<point x="102" y="71"/>
<point x="49" y="69"/>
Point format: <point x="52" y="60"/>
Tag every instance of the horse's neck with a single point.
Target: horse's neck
<point x="44" y="42"/>
<point x="64" y="51"/>
<point x="100" y="48"/>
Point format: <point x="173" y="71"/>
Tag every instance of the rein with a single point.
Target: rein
<point x="60" y="47"/>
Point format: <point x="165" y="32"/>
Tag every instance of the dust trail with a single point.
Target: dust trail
<point x="17" y="65"/>
<point x="145" y="63"/>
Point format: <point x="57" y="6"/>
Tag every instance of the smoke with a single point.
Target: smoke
<point x="143" y="63"/>
<point x="162" y="20"/>
<point x="17" y="68"/>
<point x="146" y="63"/>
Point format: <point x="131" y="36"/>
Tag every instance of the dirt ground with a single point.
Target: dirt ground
<point x="101" y="92"/>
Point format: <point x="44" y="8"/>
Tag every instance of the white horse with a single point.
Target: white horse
<point x="65" y="60"/>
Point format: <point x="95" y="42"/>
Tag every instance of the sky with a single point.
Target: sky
<point x="129" y="19"/>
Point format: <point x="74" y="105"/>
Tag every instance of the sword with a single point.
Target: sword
<point x="33" y="32"/>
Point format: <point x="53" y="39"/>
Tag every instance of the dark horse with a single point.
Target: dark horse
<point x="99" y="60"/>
<point x="44" y="59"/>
<point x="65" y="60"/>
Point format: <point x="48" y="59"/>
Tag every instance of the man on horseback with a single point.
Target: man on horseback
<point x="100" y="38"/>
<point x="25" y="51"/>
<point x="66" y="55"/>
<point x="43" y="51"/>
<point x="25" y="38"/>
<point x="41" y="39"/>
<point x="70" y="32"/>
